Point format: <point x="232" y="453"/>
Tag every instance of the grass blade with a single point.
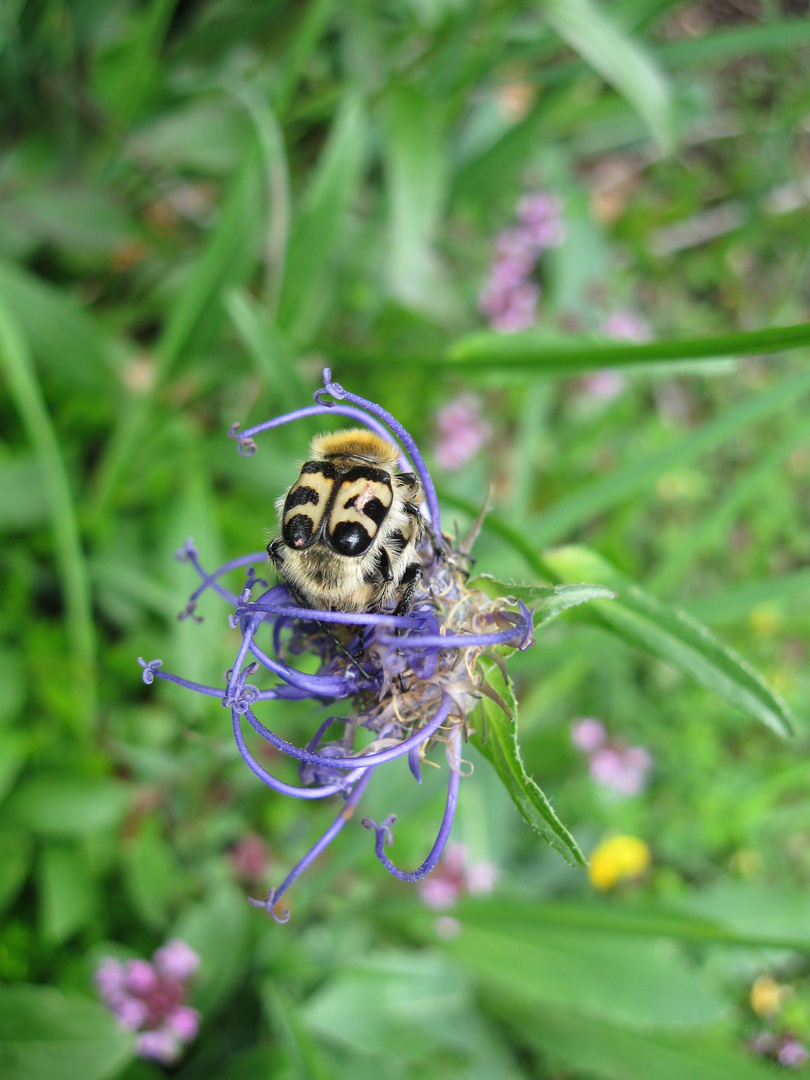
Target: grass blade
<point x="568" y="356"/>
<point x="621" y="61"/>
<point x="669" y="633"/>
<point x="25" y="391"/>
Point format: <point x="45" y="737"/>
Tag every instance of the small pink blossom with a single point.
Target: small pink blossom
<point x="462" y="431"/>
<point x="588" y="734"/>
<point x="623" y="769"/>
<point x="540" y="214"/>
<point x="176" y="960"/>
<point x="249" y="857"/>
<point x="454" y="876"/>
<point x="509" y="298"/>
<point x="603" y="384"/>
<point x="158" y="1045"/>
<point x="792" y="1053"/>
<point x="149" y="998"/>
<point x="626" y="326"/>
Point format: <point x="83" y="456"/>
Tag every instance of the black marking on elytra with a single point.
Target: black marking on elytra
<point x="297" y="531"/>
<point x="396" y="541"/>
<point x="300" y="497"/>
<point x="349" y="538"/>
<point x="326" y="468"/>
<point x="365" y="472"/>
<point x="376" y="511"/>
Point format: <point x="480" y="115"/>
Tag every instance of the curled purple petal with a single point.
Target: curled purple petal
<point x="274" y="895"/>
<point x="362" y="760"/>
<point x="150" y="670"/>
<point x="383" y="831"/>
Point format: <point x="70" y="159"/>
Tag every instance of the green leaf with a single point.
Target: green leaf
<point x="567" y="356"/>
<point x="669" y="633"/>
<point x="13" y="753"/>
<point x="638" y="475"/>
<point x="622" y="62"/>
<point x="416" y="185"/>
<point x="217" y="928"/>
<point x="617" y="1052"/>
<point x="16" y="855"/>
<point x="320" y="229"/>
<point x="151" y="872"/>
<point x="67" y="892"/>
<point x="21" y="377"/>
<point x="547" y="601"/>
<point x="611" y="976"/>
<point x="496" y="739"/>
<point x="63" y="337"/>
<point x="24" y="504"/>
<point x="194" y="316"/>
<point x="68" y="806"/>
<point x="285" y="1016"/>
<point x="45" y="1034"/>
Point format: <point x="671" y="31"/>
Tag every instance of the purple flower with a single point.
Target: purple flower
<point x="462" y="432"/>
<point x="509" y="298"/>
<point x="150" y="999"/>
<point x="410" y="679"/>
<point x="792" y="1053"/>
<point x="455" y="876"/>
<point x="588" y="734"/>
<point x="623" y="769"/>
<point x="626" y="326"/>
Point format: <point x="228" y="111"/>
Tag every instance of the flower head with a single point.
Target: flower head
<point x="618" y="859"/>
<point x="462" y="431"/>
<point x="410" y="677"/>
<point x="622" y="769"/>
<point x="509" y="298"/>
<point x="454" y="876"/>
<point x="150" y="998"/>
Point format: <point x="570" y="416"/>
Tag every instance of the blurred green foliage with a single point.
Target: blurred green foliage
<point x="201" y="203"/>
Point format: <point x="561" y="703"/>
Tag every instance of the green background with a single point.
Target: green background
<point x="201" y="204"/>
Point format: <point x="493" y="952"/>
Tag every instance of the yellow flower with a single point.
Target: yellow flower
<point x="766" y="996"/>
<point x="618" y="858"/>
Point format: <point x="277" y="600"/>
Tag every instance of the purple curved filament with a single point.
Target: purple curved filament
<point x="348" y="618"/>
<point x="312" y="410"/>
<point x="279" y="785"/>
<point x="452" y="641"/>
<point x="210" y="580"/>
<point x="444" y="829"/>
<point x="320" y="686"/>
<point x="337" y="825"/>
<point x="199" y="688"/>
<point x="337" y="391"/>
<point x="361" y="760"/>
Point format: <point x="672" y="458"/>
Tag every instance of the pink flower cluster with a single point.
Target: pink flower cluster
<point x="150" y="998"/>
<point x="786" y="1049"/>
<point x="623" y="769"/>
<point x="462" y="431"/>
<point x="607" y="383"/>
<point x="509" y="298"/>
<point x="454" y="876"/>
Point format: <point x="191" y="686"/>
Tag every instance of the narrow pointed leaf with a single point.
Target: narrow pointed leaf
<point x="496" y="739"/>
